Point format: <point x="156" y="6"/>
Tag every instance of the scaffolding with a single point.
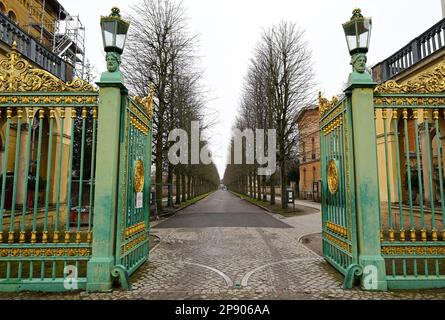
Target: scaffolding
<point x="65" y="36"/>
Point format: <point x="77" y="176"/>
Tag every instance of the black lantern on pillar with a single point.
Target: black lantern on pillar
<point x="114" y="31"/>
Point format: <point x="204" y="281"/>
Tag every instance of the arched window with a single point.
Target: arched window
<point x="2" y="7"/>
<point x="12" y="16"/>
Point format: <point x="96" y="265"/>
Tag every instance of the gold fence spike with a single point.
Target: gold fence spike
<point x="423" y="235"/>
<point x="434" y="235"/>
<point x="392" y="237"/>
<point x="11" y="237"/>
<point x="89" y="237"/>
<point x="45" y="237"/>
<point x="56" y="237"/>
<point x="436" y="114"/>
<point x="405" y="113"/>
<point x="78" y="237"/>
<point x="67" y="237"/>
<point x="33" y="236"/>
<point x="402" y="235"/>
<point x="413" y="235"/>
<point x="22" y="237"/>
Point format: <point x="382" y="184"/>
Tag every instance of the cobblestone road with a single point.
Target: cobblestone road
<point x="265" y="262"/>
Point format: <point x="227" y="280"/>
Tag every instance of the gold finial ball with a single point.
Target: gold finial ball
<point x="115" y="11"/>
<point x="356" y="14"/>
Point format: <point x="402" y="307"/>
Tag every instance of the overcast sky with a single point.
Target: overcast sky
<point x="229" y="30"/>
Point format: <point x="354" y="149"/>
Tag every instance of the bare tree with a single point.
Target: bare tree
<point x="160" y="49"/>
<point x="279" y="82"/>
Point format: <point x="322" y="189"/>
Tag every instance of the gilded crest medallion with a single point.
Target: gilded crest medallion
<point x="139" y="176"/>
<point x="333" y="177"/>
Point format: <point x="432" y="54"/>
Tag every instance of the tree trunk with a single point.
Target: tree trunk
<point x="183" y="189"/>
<point x="170" y="186"/>
<point x="258" y="178"/>
<point x="178" y="187"/>
<point x="159" y="177"/>
<point x="250" y="185"/>
<point x="284" y="204"/>
<point x="264" y="189"/>
<point x="272" y="188"/>
<point x="189" y="186"/>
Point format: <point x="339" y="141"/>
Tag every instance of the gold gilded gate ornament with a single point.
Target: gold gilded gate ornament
<point x="139" y="176"/>
<point x="332" y="176"/>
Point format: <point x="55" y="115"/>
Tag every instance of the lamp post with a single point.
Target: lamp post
<point x="114" y="35"/>
<point x="112" y="97"/>
<point x="360" y="99"/>
<point x="358" y="33"/>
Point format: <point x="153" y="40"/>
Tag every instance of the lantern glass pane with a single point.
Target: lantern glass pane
<point x="108" y="30"/>
<point x="121" y="35"/>
<point x="351" y="35"/>
<point x="364" y="30"/>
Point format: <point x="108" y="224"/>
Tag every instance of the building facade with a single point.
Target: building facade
<point x="408" y="140"/>
<point x="309" y="153"/>
<point x="33" y="25"/>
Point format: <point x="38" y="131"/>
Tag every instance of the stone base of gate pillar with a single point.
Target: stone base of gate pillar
<point x="374" y="273"/>
<point x="98" y="274"/>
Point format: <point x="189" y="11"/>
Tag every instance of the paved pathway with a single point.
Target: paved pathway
<point x="238" y="252"/>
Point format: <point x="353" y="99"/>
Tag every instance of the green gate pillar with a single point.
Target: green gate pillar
<point x="111" y="94"/>
<point x="360" y="94"/>
<point x="111" y="101"/>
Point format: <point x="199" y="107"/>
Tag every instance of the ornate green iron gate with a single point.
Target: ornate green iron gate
<point x="134" y="185"/>
<point x="75" y="162"/>
<point x="338" y="184"/>
<point x="48" y="140"/>
<point x="382" y="163"/>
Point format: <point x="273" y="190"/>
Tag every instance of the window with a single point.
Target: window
<point x="303" y="151"/>
<point x="12" y="16"/>
<point x="304" y="177"/>
<point x="314" y="174"/>
<point x="313" y="148"/>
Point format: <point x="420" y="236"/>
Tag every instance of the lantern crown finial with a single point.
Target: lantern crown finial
<point x="115" y="12"/>
<point x="356" y="14"/>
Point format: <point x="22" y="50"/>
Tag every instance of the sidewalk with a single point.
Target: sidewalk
<point x="306" y="203"/>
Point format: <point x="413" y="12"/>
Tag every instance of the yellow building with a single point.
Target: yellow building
<point x="32" y="25"/>
<point x="309" y="153"/>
